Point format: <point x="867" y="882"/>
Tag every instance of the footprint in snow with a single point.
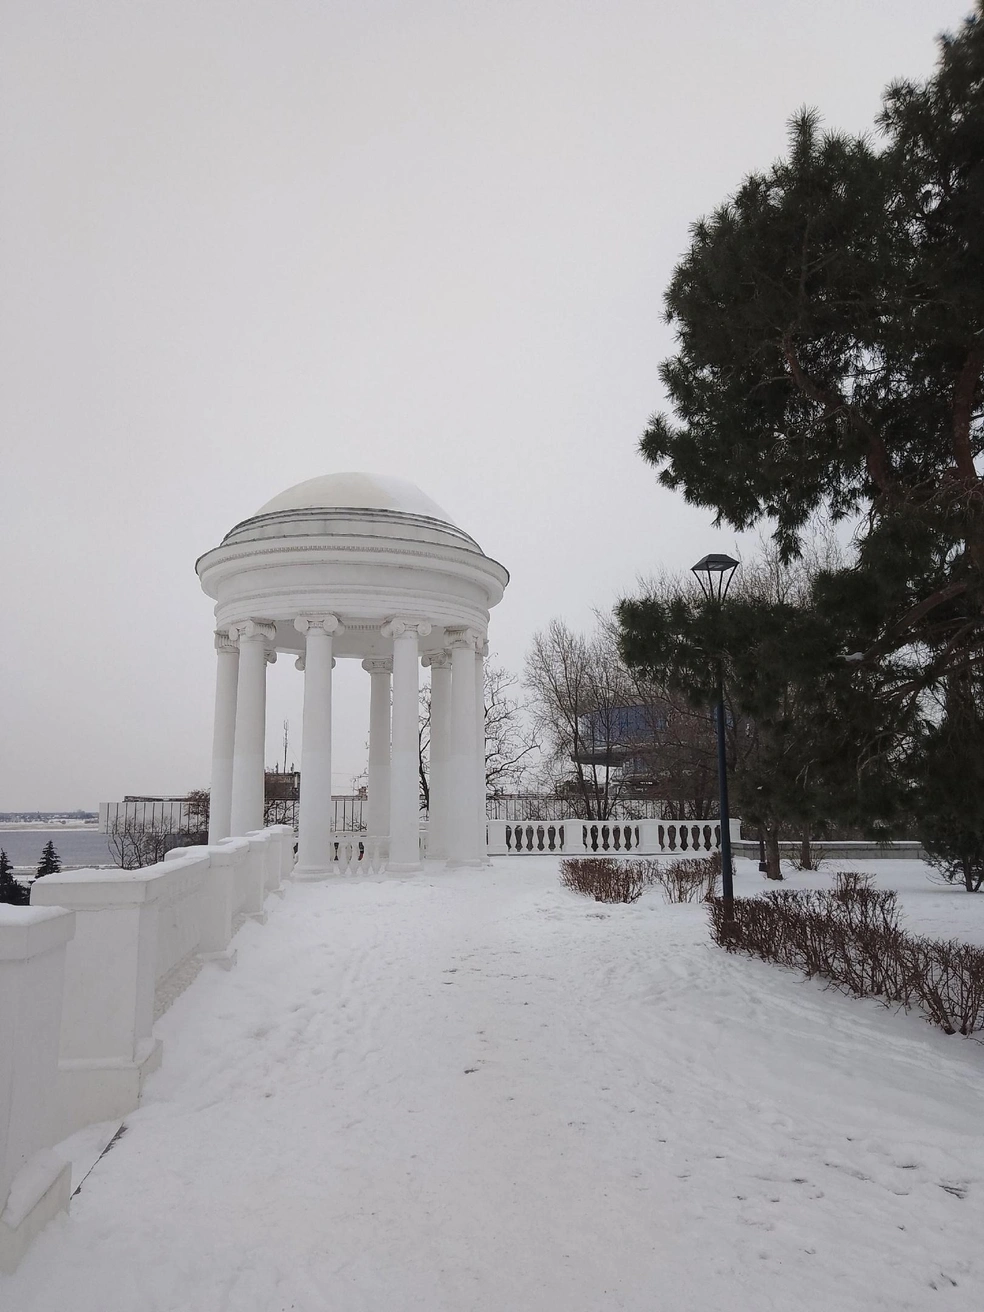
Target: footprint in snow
<point x="945" y="1279"/>
<point x="958" y="1190"/>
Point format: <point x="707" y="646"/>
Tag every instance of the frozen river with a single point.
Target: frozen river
<point x="76" y="847"/>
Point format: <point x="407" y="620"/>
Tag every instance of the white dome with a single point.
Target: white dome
<point x="357" y="492"/>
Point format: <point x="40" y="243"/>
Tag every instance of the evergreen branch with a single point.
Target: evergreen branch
<point x="890" y="637"/>
<point x="834" y="404"/>
<point x="963" y="409"/>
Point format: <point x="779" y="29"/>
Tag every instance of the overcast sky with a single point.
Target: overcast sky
<point x="246" y="242"/>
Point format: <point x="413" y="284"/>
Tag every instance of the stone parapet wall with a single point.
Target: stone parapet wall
<point x="83" y="972"/>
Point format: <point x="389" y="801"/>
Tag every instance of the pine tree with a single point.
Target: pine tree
<point x="11" y="891"/>
<point x="949" y="795"/>
<point x="830" y="360"/>
<point x="50" y="862"/>
<point x="795" y="710"/>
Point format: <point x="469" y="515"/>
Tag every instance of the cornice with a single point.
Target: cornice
<point x="279" y="547"/>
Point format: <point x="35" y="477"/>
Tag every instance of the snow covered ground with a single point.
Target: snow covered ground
<point x="480" y="1093"/>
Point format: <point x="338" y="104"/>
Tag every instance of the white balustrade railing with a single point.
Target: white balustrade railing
<point x="572" y="837"/>
<point x="358" y="854"/>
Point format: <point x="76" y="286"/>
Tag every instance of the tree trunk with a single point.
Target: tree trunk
<point x="773" y="869"/>
<point x="806" y="855"/>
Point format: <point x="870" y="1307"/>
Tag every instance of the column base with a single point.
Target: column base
<point x="403" y="867"/>
<point x="309" y="874"/>
<point x="464" y="863"/>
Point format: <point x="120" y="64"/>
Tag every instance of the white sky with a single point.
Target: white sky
<point x="245" y="242"/>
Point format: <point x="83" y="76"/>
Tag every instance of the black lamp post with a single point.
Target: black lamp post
<point x="714" y="574"/>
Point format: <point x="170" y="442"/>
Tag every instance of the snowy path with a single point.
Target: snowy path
<point x="478" y="1093"/>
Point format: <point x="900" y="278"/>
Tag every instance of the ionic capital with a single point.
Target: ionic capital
<point x="378" y="665"/>
<point x="225" y="643"/>
<point x="437" y="660"/>
<point x="470" y="638"/>
<point x="399" y="628"/>
<point x="253" y="631"/>
<point x="327" y="623"/>
<point x="271" y="658"/>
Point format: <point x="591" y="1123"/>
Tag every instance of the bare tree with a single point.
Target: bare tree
<point x="580" y="692"/>
<point x="136" y="843"/>
<point x="197" y="813"/>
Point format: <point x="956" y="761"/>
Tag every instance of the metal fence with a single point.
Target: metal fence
<point x="526" y="807"/>
<point x="174" y="815"/>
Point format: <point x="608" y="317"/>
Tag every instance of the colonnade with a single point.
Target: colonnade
<point x="457" y="825"/>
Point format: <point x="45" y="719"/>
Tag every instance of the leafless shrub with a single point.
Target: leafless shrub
<point x="851" y="936"/>
<point x="811" y="858"/>
<point x="847" y="882"/>
<point x="135" y="843"/>
<point x="604" y="879"/>
<point x="691" y="880"/>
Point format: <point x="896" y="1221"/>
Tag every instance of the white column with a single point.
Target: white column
<point x="315" y="818"/>
<point x="463" y="833"/>
<point x="404" y="847"/>
<point x="247" y="761"/>
<point x="481" y="651"/>
<point x="223" y="737"/>
<point x="379" y="745"/>
<point x="439" y="816"/>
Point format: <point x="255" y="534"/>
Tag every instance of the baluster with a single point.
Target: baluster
<point x="551" y="835"/>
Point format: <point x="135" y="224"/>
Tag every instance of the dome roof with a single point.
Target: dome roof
<point x="354" y="491"/>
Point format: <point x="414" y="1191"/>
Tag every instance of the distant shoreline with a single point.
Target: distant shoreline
<point x="44" y="825"/>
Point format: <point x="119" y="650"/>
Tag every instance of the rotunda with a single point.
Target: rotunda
<point x="361" y="567"/>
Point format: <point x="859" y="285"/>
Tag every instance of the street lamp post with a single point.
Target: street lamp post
<point x="714" y="574"/>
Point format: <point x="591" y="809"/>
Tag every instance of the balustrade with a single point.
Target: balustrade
<point x="357" y="854"/>
<point x="569" y="837"/>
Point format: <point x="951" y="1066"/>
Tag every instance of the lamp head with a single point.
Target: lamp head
<point x="714" y="574"/>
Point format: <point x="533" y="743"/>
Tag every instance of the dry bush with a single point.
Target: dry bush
<point x="817" y="858"/>
<point x="851" y="937"/>
<point x="691" y="880"/>
<point x="605" y="879"/>
<point x="847" y="882"/>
